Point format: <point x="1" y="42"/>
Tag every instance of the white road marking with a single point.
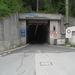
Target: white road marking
<point x="72" y="47"/>
<point x="9" y="52"/>
<point x="55" y="64"/>
<point x="0" y="55"/>
<point x="38" y="51"/>
<point x="19" y="47"/>
<point x="4" y="53"/>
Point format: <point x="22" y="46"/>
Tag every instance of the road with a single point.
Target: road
<point x="55" y="60"/>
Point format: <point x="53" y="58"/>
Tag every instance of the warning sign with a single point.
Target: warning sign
<point x="68" y="33"/>
<point x="53" y="34"/>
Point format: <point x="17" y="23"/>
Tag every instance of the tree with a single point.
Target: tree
<point x="61" y="7"/>
<point x="72" y="8"/>
<point x="4" y="10"/>
<point x="8" y="7"/>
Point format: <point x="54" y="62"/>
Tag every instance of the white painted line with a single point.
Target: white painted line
<point x="19" y="47"/>
<point x="45" y="63"/>
<point x="51" y="51"/>
<point x="0" y="55"/>
<point x="72" y="47"/>
<point x="38" y="51"/>
<point x="15" y="49"/>
<point x="9" y="52"/>
<point x="4" y="53"/>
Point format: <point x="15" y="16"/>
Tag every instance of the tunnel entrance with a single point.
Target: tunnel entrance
<point x="37" y="31"/>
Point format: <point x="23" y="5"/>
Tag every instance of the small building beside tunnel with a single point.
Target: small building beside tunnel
<point x="41" y="28"/>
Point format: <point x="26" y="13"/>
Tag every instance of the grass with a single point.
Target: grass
<point x="71" y="45"/>
<point x="12" y="48"/>
<point x="17" y="46"/>
<point x="2" y="50"/>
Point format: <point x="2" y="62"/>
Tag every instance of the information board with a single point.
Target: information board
<point x="23" y="32"/>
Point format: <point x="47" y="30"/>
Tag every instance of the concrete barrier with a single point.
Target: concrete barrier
<point x="59" y="41"/>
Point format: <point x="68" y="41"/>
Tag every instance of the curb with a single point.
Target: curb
<point x="68" y="46"/>
<point x="14" y="49"/>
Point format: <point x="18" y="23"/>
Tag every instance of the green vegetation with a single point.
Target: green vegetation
<point x="71" y="45"/>
<point x="8" y="7"/>
<point x="2" y="50"/>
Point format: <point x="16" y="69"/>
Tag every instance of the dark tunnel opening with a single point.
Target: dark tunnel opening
<point x="37" y="33"/>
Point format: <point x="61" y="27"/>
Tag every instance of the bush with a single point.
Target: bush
<point x="4" y="10"/>
<point x="8" y="7"/>
<point x="72" y="45"/>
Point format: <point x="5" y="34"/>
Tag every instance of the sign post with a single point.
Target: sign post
<point x="68" y="33"/>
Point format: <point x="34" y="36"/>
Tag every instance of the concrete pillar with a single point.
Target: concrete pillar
<point x="57" y="25"/>
<point x="23" y="26"/>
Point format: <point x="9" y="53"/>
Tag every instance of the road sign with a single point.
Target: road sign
<point x="68" y="33"/>
<point x="53" y="34"/>
<point x="23" y="32"/>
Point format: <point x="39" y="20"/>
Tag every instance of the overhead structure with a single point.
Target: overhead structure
<point x="39" y="27"/>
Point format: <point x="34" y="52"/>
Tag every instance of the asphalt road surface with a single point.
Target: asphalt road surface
<point x="39" y="59"/>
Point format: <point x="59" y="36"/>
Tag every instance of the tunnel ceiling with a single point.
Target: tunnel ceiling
<point x="39" y="22"/>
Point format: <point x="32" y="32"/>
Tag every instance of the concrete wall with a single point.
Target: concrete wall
<point x="10" y="27"/>
<point x="50" y="16"/>
<point x="1" y="35"/>
<point x="57" y="24"/>
<point x="9" y="32"/>
<point x="54" y="20"/>
<point x="22" y="26"/>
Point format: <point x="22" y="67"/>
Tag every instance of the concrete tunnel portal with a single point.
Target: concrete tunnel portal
<point x="41" y="28"/>
<point x="37" y="31"/>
